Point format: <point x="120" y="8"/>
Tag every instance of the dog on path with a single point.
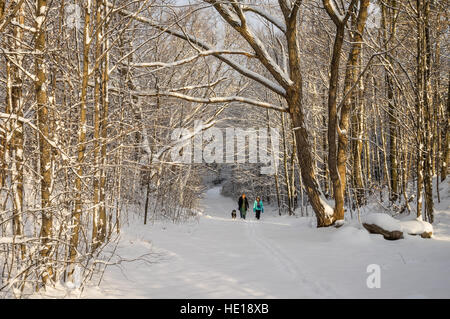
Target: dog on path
<point x="233" y="214"/>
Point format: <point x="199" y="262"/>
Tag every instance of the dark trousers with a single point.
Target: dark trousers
<point x="243" y="213"/>
<point x="258" y="214"/>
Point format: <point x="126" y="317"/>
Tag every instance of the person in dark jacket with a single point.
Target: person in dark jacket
<point x="258" y="207"/>
<point x="243" y="205"/>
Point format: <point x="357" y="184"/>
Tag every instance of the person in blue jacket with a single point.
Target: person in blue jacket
<point x="258" y="207"/>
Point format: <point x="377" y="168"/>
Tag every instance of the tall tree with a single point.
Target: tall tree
<point x="15" y="104"/>
<point x="351" y="95"/>
<point x="337" y="162"/>
<point x="424" y="110"/>
<point x="389" y="16"/>
<point x="44" y="136"/>
<point x="82" y="128"/>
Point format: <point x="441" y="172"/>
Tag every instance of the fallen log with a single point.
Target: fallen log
<point x="387" y="234"/>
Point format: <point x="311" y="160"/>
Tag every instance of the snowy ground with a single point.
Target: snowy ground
<point x="276" y="257"/>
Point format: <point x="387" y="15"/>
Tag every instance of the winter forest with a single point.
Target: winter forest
<point x="118" y="174"/>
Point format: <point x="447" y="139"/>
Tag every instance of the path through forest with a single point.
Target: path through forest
<point x="276" y="257"/>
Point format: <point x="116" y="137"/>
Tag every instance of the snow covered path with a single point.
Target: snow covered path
<point x="276" y="257"/>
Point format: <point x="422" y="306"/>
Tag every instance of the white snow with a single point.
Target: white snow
<point x="339" y="223"/>
<point x="43" y="10"/>
<point x="382" y="220"/>
<point x="39" y="21"/>
<point x="329" y="211"/>
<point x="336" y="11"/>
<point x="276" y="257"/>
<point x="416" y="227"/>
<point x="412" y="227"/>
<point x="17" y="240"/>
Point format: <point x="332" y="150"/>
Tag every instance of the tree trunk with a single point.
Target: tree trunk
<point x="323" y="216"/>
<point x="420" y="103"/>
<point x="293" y="189"/>
<point x="96" y="241"/>
<point x="428" y="116"/>
<point x="76" y="218"/>
<point x="326" y="186"/>
<point x="351" y="75"/>
<point x="101" y="102"/>
<point x="104" y="128"/>
<point x="294" y="96"/>
<point x="335" y="174"/>
<point x="393" y="125"/>
<point x="277" y="188"/>
<point x="44" y="147"/>
<point x="17" y="140"/>
<point x="446" y="138"/>
<point x="285" y="164"/>
<point x="357" y="133"/>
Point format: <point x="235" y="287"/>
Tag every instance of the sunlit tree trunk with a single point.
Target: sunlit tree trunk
<point x="285" y="164"/>
<point x="428" y="116"/>
<point x="82" y="127"/>
<point x="358" y="134"/>
<point x="388" y="22"/>
<point x="2" y="130"/>
<point x="104" y="127"/>
<point x="424" y="112"/>
<point x="43" y="124"/>
<point x="17" y="127"/>
<point x="349" y="103"/>
<point x="446" y="137"/>
<point x="97" y="101"/>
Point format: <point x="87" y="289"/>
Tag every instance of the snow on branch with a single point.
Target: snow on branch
<point x="17" y="240"/>
<point x="23" y="27"/>
<point x="7" y="19"/>
<point x="6" y="117"/>
<point x="257" y="45"/>
<point x="274" y="20"/>
<point x="201" y="86"/>
<point x="285" y="8"/>
<point x="212" y="100"/>
<point x="30" y="75"/>
<point x="193" y="40"/>
<point x="334" y="12"/>
<point x="163" y="65"/>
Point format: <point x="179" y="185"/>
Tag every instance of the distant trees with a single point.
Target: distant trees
<point x="374" y="106"/>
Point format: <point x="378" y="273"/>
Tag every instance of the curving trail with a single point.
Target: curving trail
<point x="275" y="257"/>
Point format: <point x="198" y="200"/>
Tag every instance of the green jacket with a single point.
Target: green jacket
<point x="260" y="207"/>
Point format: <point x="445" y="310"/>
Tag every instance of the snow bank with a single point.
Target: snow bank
<point x="390" y="224"/>
<point x="416" y="227"/>
<point x="350" y="235"/>
<point x="382" y="220"/>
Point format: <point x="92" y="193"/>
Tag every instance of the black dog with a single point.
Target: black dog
<point x="233" y="214"/>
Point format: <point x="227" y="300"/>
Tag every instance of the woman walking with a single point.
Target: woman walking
<point x="258" y="207"/>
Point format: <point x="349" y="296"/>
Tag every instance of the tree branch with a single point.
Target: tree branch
<point x="274" y="87"/>
<point x="211" y="100"/>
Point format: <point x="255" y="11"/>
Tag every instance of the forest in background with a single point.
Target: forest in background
<point x="92" y="91"/>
